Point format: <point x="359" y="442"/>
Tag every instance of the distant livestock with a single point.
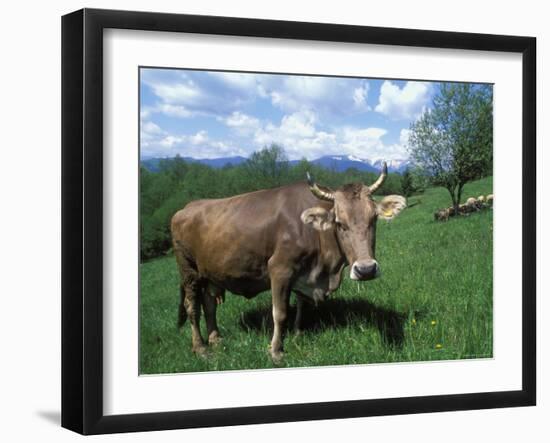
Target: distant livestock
<point x="472" y="205"/>
<point x="443" y="214"/>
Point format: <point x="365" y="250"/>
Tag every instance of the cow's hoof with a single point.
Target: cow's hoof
<point x="215" y="339"/>
<point x="201" y="351"/>
<point x="277" y="357"/>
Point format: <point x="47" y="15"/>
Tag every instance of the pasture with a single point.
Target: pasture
<point x="433" y="302"/>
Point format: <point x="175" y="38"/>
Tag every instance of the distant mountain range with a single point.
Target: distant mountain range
<point x="342" y="162"/>
<point x="339" y="163"/>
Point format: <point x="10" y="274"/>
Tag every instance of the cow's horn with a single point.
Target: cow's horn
<point x="318" y="192"/>
<point x="380" y="180"/>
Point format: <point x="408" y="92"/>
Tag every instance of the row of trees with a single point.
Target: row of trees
<point x="178" y="182"/>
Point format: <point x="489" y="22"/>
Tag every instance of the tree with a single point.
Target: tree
<point x="268" y="166"/>
<point x="299" y="170"/>
<point x="407" y="187"/>
<point x="175" y="167"/>
<point x="453" y="141"/>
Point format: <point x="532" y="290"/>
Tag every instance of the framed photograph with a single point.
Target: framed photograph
<point x="268" y="221"/>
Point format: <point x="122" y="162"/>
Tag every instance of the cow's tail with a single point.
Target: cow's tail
<point x="182" y="312"/>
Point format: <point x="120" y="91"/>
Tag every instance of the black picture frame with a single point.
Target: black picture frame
<point x="82" y="218"/>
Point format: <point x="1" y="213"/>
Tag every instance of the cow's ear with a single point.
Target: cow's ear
<point x="319" y="218"/>
<point x="390" y="206"/>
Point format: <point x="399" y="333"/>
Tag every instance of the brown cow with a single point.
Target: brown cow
<point x="293" y="238"/>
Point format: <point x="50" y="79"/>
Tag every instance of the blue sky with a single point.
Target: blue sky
<point x="206" y="114"/>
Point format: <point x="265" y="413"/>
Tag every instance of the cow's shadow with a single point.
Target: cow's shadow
<point x="332" y="314"/>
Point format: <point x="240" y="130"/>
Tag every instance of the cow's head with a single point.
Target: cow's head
<point x="353" y="217"/>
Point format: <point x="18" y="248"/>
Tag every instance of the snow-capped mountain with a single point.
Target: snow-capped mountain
<point x="343" y="162"/>
<point x="396" y="165"/>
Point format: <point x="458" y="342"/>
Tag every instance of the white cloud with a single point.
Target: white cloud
<point x="394" y="151"/>
<point x="236" y="80"/>
<point x="199" y="138"/>
<point x="314" y="110"/>
<point x="360" y="95"/>
<point x="369" y="143"/>
<point x="174" y="110"/>
<point x="299" y="124"/>
<point x="297" y="93"/>
<point x="299" y="135"/>
<point x="220" y="94"/>
<point x="309" y="88"/>
<point x="403" y="103"/>
<point x="326" y="95"/>
<point x="151" y="128"/>
<point x="362" y="142"/>
<point x="198" y="145"/>
<point x="170" y="140"/>
<point x="185" y="95"/>
<point x="168" y="110"/>
<point x="183" y="92"/>
<point x="150" y="133"/>
<point x="404" y="136"/>
<point x="241" y="123"/>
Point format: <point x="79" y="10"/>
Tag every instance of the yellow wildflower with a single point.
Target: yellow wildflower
<point x="438" y="346"/>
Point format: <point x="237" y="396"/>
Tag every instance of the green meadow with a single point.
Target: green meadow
<point x="432" y="302"/>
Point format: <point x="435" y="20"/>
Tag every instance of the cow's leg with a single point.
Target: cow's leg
<point x="298" y="320"/>
<point x="280" y="293"/>
<point x="190" y="295"/>
<point x="182" y="312"/>
<point x="212" y="296"/>
<point x="192" y="301"/>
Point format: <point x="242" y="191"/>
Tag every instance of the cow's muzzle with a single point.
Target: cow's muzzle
<point x="365" y="270"/>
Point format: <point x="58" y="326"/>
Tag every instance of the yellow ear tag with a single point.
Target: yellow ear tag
<point x="388" y="213"/>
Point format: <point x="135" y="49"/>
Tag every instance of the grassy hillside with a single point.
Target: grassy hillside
<point x="433" y="302"/>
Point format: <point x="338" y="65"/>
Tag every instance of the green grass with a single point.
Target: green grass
<point x="433" y="302"/>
